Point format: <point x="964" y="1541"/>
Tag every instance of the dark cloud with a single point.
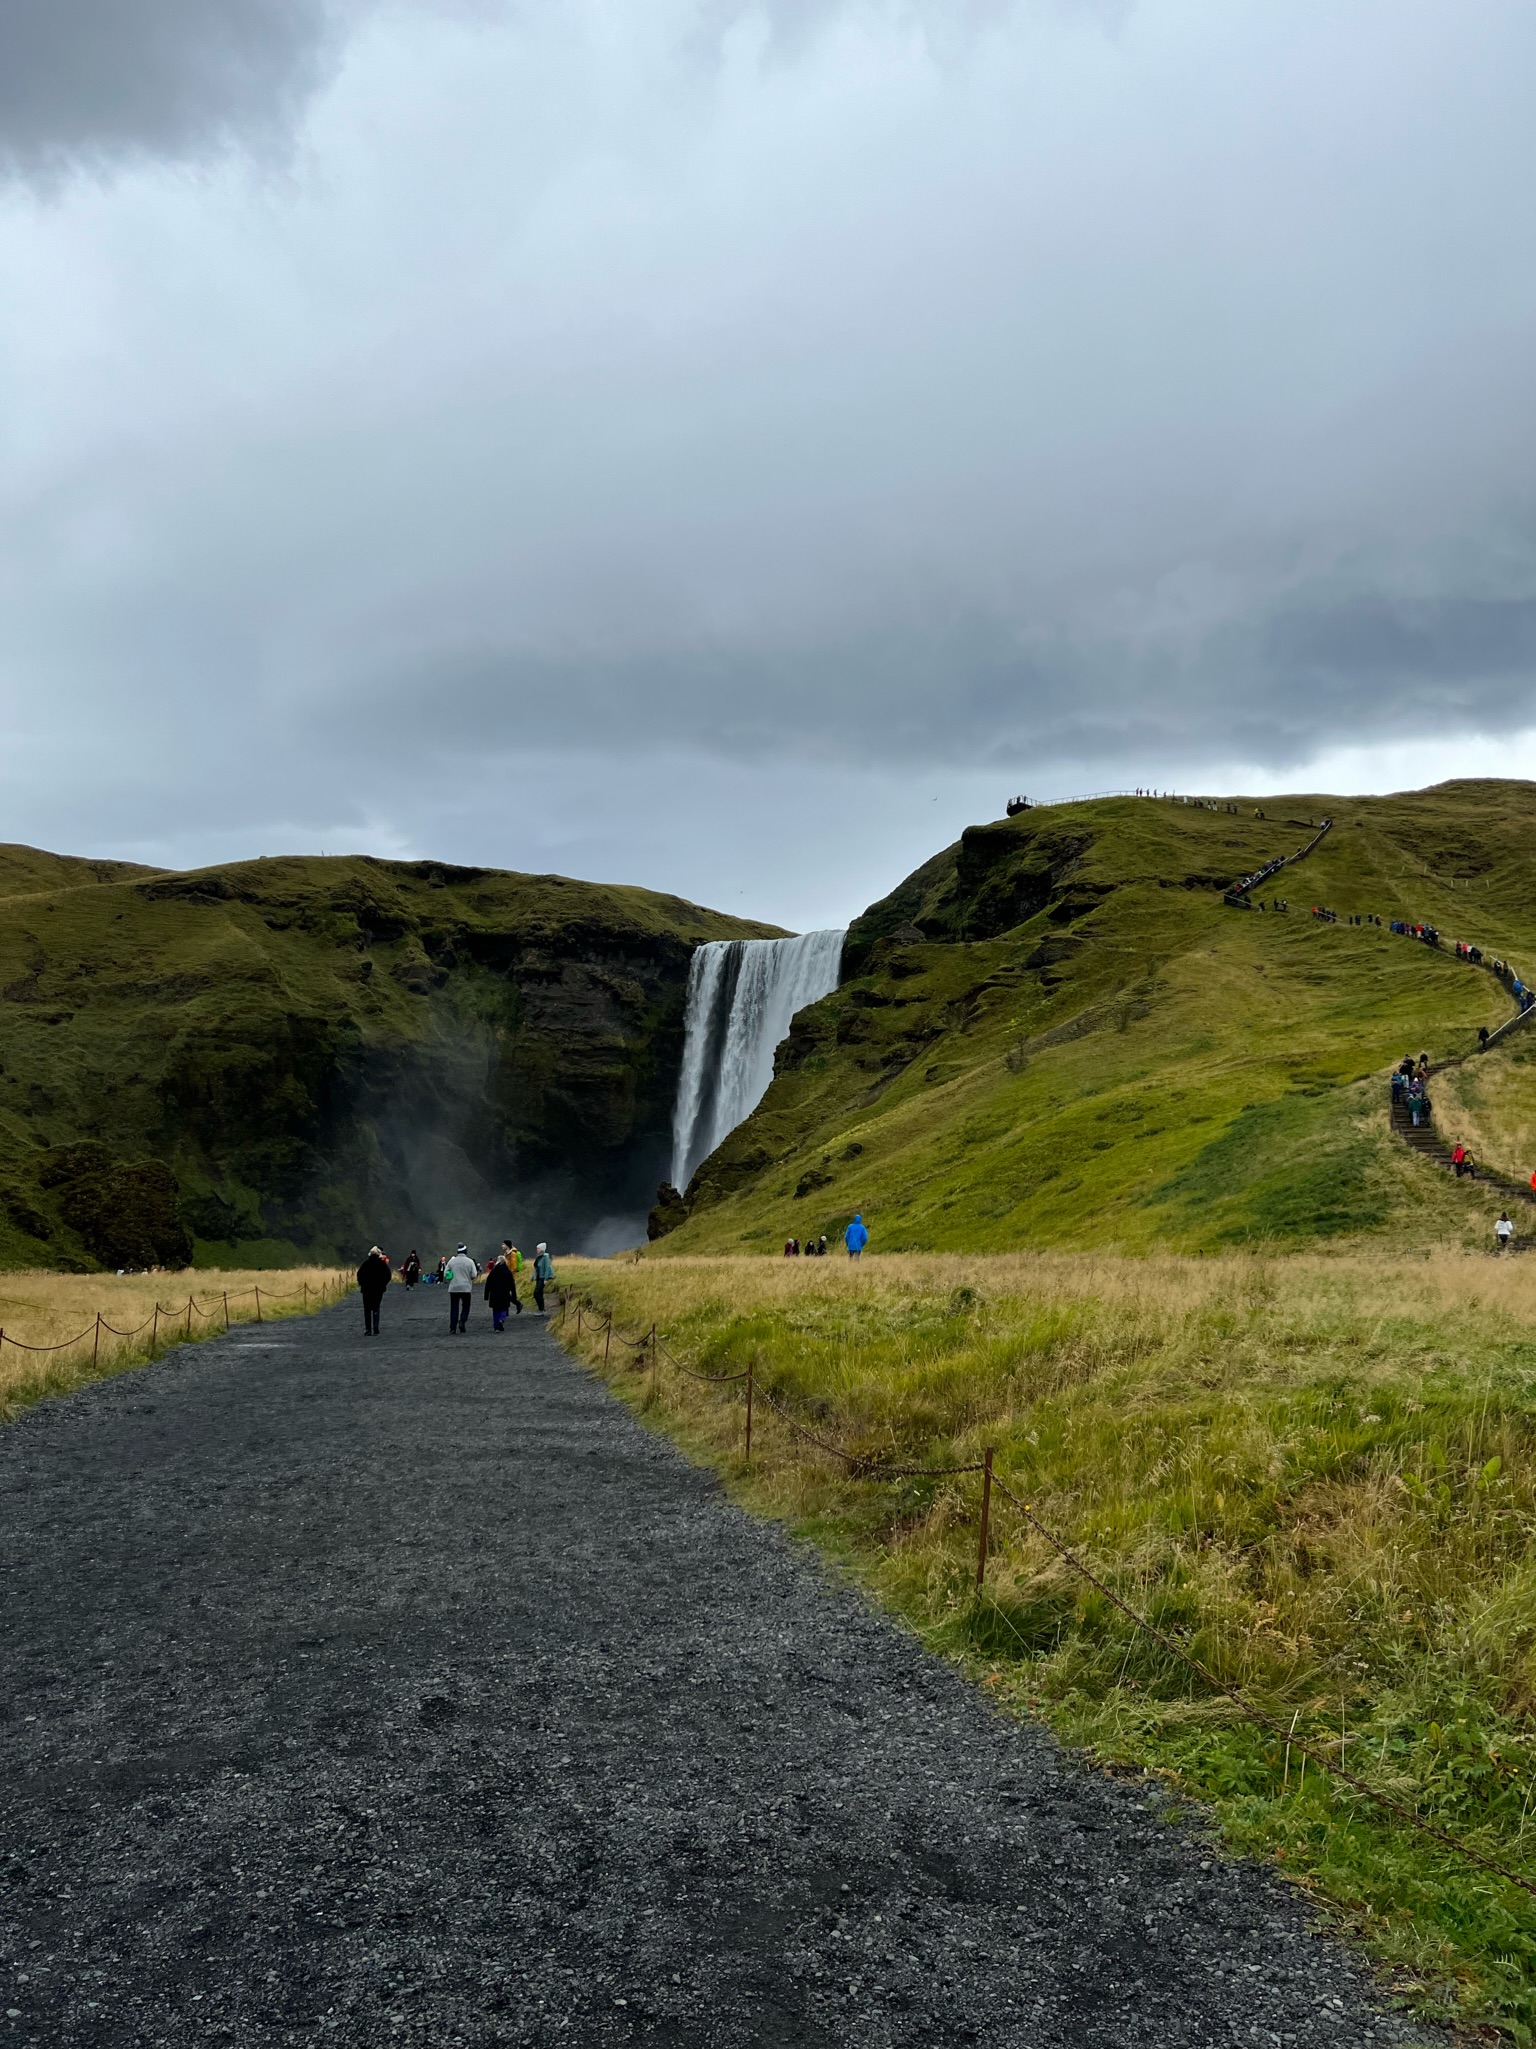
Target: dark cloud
<point x="93" y="80"/>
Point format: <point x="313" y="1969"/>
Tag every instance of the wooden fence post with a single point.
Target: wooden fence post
<point x="154" y="1336"/>
<point x="607" y="1337"/>
<point x="96" y="1340"/>
<point x="189" y="1316"/>
<point x="986" y="1516"/>
<point x="226" y="1309"/>
<point x="258" y="1302"/>
<point x="749" y="1413"/>
<point x="655" y="1362"/>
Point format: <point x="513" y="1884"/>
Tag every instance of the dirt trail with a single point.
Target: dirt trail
<point x="406" y="1691"/>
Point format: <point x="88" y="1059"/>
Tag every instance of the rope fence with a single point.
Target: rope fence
<point x="178" y="1319"/>
<point x="859" y="1466"/>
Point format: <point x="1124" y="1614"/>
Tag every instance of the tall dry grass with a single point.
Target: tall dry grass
<point x="1318" y="1473"/>
<point x="52" y="1340"/>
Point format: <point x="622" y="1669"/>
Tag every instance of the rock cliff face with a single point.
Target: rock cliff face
<point x="325" y="1052"/>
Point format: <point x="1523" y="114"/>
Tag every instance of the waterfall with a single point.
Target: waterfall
<point x="742" y="994"/>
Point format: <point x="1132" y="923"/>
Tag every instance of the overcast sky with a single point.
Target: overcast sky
<point x="730" y="447"/>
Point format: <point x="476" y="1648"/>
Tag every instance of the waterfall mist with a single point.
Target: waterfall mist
<point x="742" y="994"/>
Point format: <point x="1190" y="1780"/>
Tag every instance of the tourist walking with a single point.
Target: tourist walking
<point x="514" y="1261"/>
<point x="410" y="1273"/>
<point x="373" y="1277"/>
<point x="856" y="1237"/>
<point x="501" y="1291"/>
<point x="543" y="1273"/>
<point x="459" y="1273"/>
<point x="1503" y="1232"/>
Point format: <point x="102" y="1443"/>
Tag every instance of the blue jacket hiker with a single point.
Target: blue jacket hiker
<point x="856" y="1237"/>
<point x="543" y="1273"/>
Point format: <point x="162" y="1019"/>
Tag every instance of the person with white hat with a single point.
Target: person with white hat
<point x="543" y="1272"/>
<point x="460" y="1275"/>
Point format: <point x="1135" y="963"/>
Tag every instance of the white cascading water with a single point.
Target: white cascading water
<point x="742" y="994"/>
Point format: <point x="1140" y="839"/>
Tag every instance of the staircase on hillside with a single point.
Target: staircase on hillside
<point x="1427" y="1142"/>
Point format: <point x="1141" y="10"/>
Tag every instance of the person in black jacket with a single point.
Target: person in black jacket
<point x="372" y="1279"/>
<point x="501" y="1291"/>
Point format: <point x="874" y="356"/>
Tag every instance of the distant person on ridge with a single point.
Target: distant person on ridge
<point x="856" y="1237"/>
<point x="459" y="1273"/>
<point x="501" y="1291"/>
<point x="543" y="1273"/>
<point x="373" y="1277"/>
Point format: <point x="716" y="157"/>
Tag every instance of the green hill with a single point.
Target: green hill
<point x="283" y="1059"/>
<point x="1056" y="1032"/>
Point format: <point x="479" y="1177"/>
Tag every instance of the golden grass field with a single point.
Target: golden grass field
<point x="47" y="1310"/>
<point x="1317" y="1473"/>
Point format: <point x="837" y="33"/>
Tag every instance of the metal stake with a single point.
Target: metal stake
<point x="749" y="1413"/>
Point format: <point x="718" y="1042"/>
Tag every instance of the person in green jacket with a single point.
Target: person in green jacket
<point x="543" y="1273"/>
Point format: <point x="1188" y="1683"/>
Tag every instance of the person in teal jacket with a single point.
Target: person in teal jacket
<point x="856" y="1237"/>
<point x="543" y="1274"/>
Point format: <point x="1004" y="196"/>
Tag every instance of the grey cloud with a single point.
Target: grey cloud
<point x="845" y="408"/>
<point x="93" y="80"/>
<point x="1468" y="644"/>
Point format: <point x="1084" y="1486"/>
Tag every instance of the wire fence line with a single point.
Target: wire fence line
<point x="860" y="1466"/>
<point x="178" y="1320"/>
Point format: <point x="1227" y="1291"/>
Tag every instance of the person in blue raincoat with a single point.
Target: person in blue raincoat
<point x="856" y="1237"/>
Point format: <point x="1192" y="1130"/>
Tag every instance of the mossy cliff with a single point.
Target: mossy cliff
<point x="287" y="1058"/>
<point x="1056" y="1032"/>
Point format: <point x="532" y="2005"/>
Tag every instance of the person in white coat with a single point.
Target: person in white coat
<point x="459" y="1274"/>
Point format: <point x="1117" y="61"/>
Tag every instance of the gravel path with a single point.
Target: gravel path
<point x="405" y="1690"/>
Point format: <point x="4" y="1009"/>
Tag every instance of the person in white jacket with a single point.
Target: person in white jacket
<point x="459" y="1273"/>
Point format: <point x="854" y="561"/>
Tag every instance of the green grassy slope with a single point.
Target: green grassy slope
<point x="324" y="1050"/>
<point x="28" y="871"/>
<point x="1056" y="1033"/>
